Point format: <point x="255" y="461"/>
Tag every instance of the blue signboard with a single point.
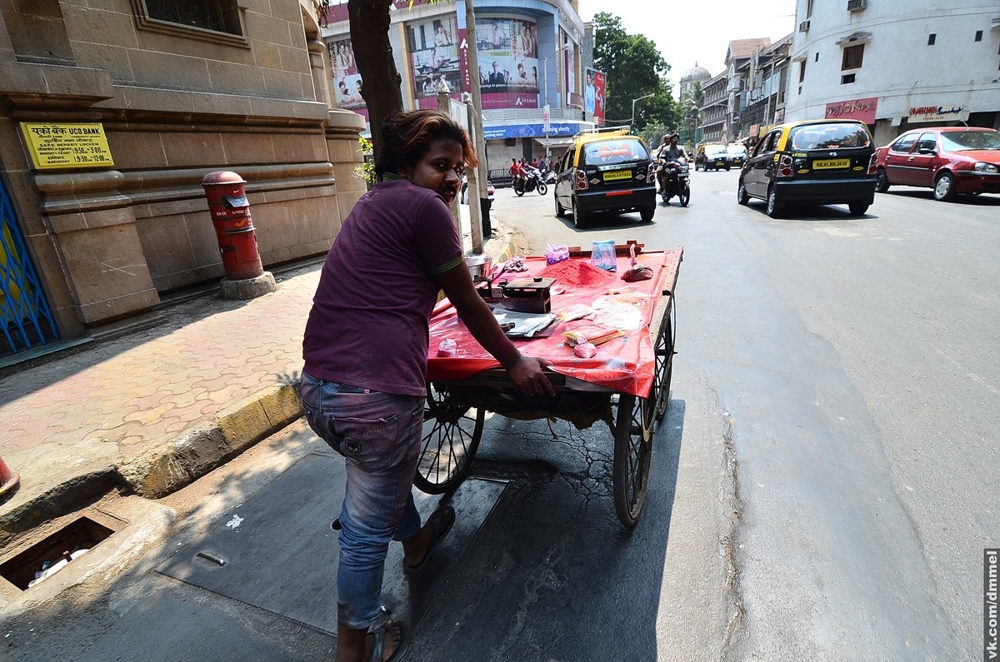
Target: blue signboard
<point x="530" y="130"/>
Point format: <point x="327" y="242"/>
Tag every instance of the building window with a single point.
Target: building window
<point x="846" y="78"/>
<point x="809" y="8"/>
<point x="218" y="21"/>
<point x="207" y="15"/>
<point x="931" y="38"/>
<point x="979" y="35"/>
<point x="853" y="56"/>
<point x="802" y="71"/>
<point x="817" y="57"/>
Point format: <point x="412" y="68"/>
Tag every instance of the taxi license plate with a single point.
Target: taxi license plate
<point x="617" y="174"/>
<point x="829" y="164"/>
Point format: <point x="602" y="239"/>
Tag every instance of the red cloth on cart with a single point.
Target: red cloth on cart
<point x="623" y="364"/>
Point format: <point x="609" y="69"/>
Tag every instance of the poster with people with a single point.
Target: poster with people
<point x="346" y="80"/>
<point x="508" y="62"/>
<point x="593" y="96"/>
<point x="434" y="58"/>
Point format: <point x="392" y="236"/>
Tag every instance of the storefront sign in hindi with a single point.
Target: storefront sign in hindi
<point x="855" y="109"/>
<point x="67" y="145"/>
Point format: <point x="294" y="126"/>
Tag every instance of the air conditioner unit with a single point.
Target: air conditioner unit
<point x="804" y="26"/>
<point x="856" y="5"/>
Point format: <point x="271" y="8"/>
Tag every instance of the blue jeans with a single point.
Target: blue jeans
<point x="379" y="436"/>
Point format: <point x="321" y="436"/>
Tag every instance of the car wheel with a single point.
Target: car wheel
<point x="742" y="196"/>
<point x="579" y="217"/>
<point x="881" y="181"/>
<point x="646" y="213"/>
<point x="542" y="189"/>
<point x="944" y="187"/>
<point x="727" y="168"/>
<point x="773" y="208"/>
<point x="560" y="211"/>
<point x="858" y="208"/>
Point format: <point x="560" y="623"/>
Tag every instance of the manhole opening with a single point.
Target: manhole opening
<point x="45" y="558"/>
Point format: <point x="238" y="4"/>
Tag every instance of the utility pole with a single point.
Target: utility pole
<point x="444" y="105"/>
<point x="479" y="177"/>
<point x="545" y="95"/>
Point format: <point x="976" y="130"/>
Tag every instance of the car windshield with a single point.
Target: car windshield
<point x="737" y="150"/>
<point x="615" y="151"/>
<point x="828" y="136"/>
<point x="956" y="141"/>
<point x="716" y="150"/>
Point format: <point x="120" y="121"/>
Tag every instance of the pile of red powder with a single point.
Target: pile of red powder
<point x="578" y="274"/>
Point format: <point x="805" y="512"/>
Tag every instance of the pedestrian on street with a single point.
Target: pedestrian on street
<point x="365" y="351"/>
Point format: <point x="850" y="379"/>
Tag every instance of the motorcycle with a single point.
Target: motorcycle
<point x="531" y="181"/>
<point x="674" y="179"/>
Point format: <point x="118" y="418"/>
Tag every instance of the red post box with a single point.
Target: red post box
<point x="227" y="203"/>
<point x="8" y="479"/>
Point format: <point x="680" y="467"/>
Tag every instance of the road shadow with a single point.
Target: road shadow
<point x="984" y="200"/>
<point x="812" y="212"/>
<point x="604" y="221"/>
<point x="553" y="574"/>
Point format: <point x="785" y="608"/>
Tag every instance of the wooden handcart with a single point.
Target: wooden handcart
<point x="629" y="396"/>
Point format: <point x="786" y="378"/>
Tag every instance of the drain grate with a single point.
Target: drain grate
<point x="52" y="553"/>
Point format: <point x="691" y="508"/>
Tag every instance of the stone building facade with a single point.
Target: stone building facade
<point x="179" y="89"/>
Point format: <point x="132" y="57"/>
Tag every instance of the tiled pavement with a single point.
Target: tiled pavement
<point x="159" y="407"/>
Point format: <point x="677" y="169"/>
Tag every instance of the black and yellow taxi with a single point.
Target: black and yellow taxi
<point x="605" y="171"/>
<point x="811" y="162"/>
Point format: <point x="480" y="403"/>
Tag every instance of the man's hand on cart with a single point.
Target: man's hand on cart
<point x="528" y="375"/>
<point x="527" y="372"/>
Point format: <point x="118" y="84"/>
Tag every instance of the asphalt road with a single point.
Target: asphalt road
<point x="822" y="487"/>
<point x="839" y="393"/>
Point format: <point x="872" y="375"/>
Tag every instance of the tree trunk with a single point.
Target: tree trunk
<point x="373" y="53"/>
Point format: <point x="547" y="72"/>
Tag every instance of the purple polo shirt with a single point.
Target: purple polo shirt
<point x="368" y="323"/>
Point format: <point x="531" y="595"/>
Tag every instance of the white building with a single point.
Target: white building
<point x="896" y="64"/>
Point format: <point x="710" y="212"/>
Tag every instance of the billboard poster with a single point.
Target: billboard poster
<point x="434" y="58"/>
<point x="593" y="96"/>
<point x="346" y="80"/>
<point x="508" y="62"/>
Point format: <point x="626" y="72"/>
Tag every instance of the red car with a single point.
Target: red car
<point x="951" y="160"/>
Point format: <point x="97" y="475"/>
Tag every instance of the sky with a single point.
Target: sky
<point x="697" y="30"/>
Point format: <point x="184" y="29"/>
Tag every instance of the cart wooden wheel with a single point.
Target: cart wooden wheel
<point x="664" y="363"/>
<point x="451" y="436"/>
<point x="633" y="449"/>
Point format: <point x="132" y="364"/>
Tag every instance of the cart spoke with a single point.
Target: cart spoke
<point x="450" y="439"/>
<point x="633" y="447"/>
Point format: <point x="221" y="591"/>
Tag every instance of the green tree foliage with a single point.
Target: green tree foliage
<point x="634" y="68"/>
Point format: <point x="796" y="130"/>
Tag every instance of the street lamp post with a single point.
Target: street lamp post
<point x="545" y="94"/>
<point x="632" y="122"/>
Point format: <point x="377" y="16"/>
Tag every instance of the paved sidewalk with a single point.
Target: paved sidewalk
<point x="158" y="408"/>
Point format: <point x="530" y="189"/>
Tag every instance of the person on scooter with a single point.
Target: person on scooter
<point x="516" y="174"/>
<point x="669" y="151"/>
<point x="526" y="170"/>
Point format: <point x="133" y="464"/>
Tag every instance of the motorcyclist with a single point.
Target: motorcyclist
<point x="516" y="174"/>
<point x="670" y="150"/>
<point x="526" y="170"/>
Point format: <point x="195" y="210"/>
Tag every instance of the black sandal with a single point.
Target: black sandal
<point x="378" y="628"/>
<point x="442" y="520"/>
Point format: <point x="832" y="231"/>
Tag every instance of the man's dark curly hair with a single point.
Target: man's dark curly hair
<point x="407" y="137"/>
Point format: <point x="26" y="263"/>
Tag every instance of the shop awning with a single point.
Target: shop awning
<point x="554" y="141"/>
